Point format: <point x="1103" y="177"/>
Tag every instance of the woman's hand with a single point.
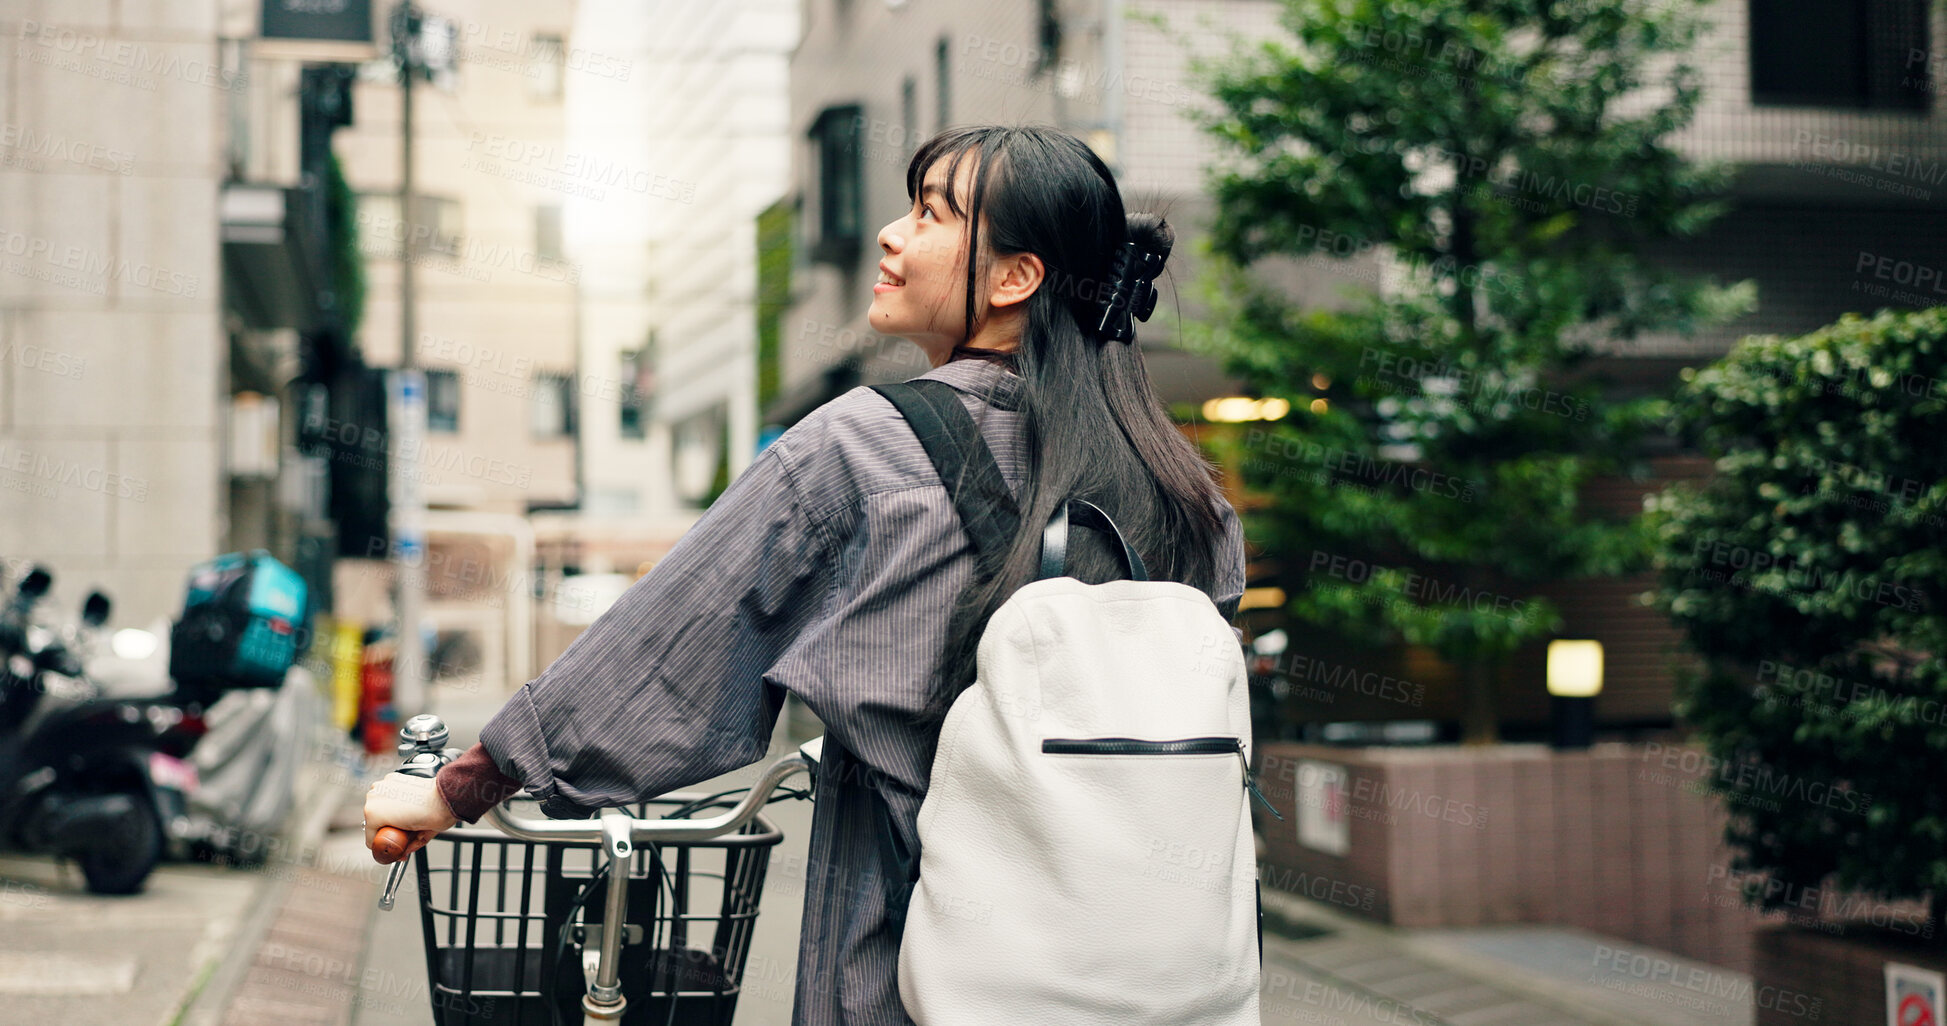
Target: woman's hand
<point x="412" y="804"/>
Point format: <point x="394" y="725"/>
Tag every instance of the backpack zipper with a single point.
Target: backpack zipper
<point x="1216" y="745"/>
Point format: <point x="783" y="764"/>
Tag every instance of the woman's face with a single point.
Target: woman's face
<point x="922" y="287"/>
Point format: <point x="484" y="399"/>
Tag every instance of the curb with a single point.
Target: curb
<point x="207" y="1004"/>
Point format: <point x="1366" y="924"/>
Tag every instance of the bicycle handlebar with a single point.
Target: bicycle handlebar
<point x="653" y="831"/>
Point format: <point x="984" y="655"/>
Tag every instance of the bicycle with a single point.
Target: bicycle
<point x="477" y="982"/>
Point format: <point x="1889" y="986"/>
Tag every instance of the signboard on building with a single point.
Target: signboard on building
<point x="345" y="20"/>
<point x="1323" y="823"/>
<point x="332" y="31"/>
<point x="1913" y="995"/>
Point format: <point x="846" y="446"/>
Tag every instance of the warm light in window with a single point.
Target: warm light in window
<point x="1235" y="408"/>
<point x="1261" y="598"/>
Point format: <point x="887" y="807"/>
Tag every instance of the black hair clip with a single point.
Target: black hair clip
<point x="1134" y="295"/>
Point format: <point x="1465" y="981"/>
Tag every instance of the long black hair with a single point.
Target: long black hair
<point x="1095" y="428"/>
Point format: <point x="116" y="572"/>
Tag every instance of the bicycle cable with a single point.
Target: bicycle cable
<point x="561" y="935"/>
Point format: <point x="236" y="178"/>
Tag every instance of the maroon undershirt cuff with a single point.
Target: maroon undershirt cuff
<point x="472" y="784"/>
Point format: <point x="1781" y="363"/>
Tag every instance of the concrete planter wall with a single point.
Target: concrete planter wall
<point x="1801" y="976"/>
<point x="1623" y="840"/>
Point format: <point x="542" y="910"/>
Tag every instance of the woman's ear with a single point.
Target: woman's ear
<point x="1015" y="278"/>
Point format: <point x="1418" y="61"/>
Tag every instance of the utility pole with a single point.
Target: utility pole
<point x="408" y="393"/>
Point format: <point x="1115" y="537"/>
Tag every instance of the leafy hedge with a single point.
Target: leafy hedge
<point x="1808" y="573"/>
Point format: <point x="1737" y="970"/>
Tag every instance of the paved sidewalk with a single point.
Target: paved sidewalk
<point x="164" y="957"/>
<point x="1491" y="976"/>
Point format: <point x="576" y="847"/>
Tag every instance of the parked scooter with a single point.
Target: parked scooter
<point x="241" y="748"/>
<point x="75" y="766"/>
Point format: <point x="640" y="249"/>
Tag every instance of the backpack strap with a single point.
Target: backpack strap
<point x="966" y="466"/>
<point x="990" y="515"/>
<point x="1054" y="540"/>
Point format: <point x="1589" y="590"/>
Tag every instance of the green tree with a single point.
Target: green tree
<point x="1498" y="162"/>
<point x="347" y="259"/>
<point x="1807" y="572"/>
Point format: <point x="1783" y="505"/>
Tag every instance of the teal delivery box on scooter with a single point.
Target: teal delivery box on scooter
<point x="245" y="618"/>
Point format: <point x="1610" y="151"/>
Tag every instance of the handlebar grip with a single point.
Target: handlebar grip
<point x="389" y="845"/>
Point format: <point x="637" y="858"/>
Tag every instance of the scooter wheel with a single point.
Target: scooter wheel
<point x="124" y="866"/>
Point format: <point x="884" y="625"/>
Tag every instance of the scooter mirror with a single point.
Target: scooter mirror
<point x="94" y="609"/>
<point x="36" y="583"/>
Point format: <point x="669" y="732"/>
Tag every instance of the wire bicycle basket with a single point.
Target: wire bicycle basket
<point x="507" y="922"/>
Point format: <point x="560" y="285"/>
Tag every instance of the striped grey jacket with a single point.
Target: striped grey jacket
<point x="826" y="570"/>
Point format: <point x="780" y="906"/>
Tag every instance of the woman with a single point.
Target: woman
<point x="835" y="568"/>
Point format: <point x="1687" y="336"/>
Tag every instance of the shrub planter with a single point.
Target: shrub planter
<point x="1833" y="974"/>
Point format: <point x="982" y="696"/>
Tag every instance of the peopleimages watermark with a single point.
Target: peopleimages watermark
<point x="1820" y="908"/>
<point x="40" y="467"/>
<point x="566" y="171"/>
<point x="508" y="373"/>
<point x="1411" y="584"/>
<point x="29" y="356"/>
<point x="1423" y="57"/>
<point x="1339" y="465"/>
<point x="1508" y="180"/>
<point x="1757" y="778"/>
<point x="1823" y="374"/>
<point x="120" y="61"/>
<point x="1816" y="691"/>
<point x="1302" y="672"/>
<point x="86" y="270"/>
<point x="1309" y="991"/>
<point x="1482" y="391"/>
<point x="1917" y="284"/>
<point x="1318" y="887"/>
<point x="1028" y="67"/>
<point x="385" y="237"/>
<point x="1760" y="570"/>
<point x="1839" y="159"/>
<point x="28" y="150"/>
<point x="1864" y="488"/>
<point x="1372" y="798"/>
<point x="1345" y="246"/>
<point x="421" y="457"/>
<point x="1655" y="969"/>
<point x="526" y="54"/>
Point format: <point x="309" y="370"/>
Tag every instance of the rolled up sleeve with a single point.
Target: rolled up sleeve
<point x="669" y="686"/>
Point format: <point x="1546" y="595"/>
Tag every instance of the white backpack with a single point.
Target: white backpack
<point x="1085" y="847"/>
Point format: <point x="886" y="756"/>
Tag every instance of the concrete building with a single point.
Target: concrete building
<point x="116" y="355"/>
<point x="496" y="290"/>
<point x="670" y="263"/>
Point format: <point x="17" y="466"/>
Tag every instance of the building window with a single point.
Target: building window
<point x="636" y="371"/>
<point x="1840" y="53"/>
<point x="547" y="233"/>
<point x="381" y="231"/>
<point x="442" y="400"/>
<point x="941" y="75"/>
<point x="554" y="406"/>
<point x="1050" y="41"/>
<point x="908" y="115"/>
<point x="440" y="216"/>
<point x="544" y="69"/>
<point x="840" y="186"/>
